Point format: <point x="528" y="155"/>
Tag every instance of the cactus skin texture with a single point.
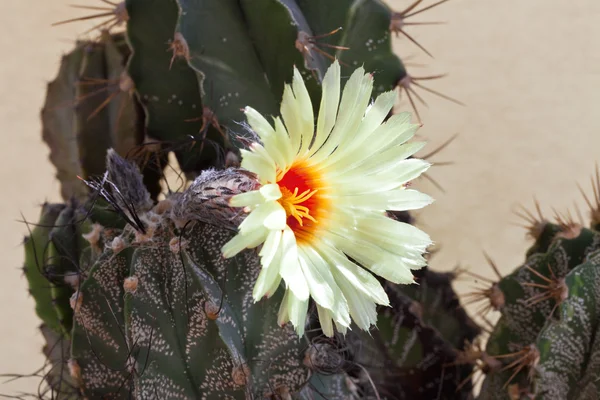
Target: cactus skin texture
<point x="154" y="310"/>
<point x="90" y="108"/>
<point x="179" y="76"/>
<point x="544" y="344"/>
<point x="405" y="357"/>
<point x="230" y="54"/>
<point x="159" y="314"/>
<point x="135" y="298"/>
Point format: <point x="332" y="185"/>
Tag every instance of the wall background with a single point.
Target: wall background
<point x="528" y="72"/>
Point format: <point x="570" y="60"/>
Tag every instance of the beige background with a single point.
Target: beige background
<point x="528" y="71"/>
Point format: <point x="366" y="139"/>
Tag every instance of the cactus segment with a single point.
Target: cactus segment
<point x="36" y="249"/>
<point x="167" y="87"/>
<point x="58" y="119"/>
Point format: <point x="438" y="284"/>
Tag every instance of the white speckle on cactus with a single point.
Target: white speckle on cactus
<point x="224" y="40"/>
<point x="155" y="98"/>
<point x="180" y="102"/>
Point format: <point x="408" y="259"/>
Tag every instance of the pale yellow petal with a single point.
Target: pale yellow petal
<point x="246" y="199"/>
<point x="240" y="242"/>
<point x="271" y="249"/>
<point x="270" y="215"/>
<point x="354" y="102"/>
<point x="362" y="309"/>
<point x="267" y="278"/>
<point x="360" y="278"/>
<point x="290" y="269"/>
<point x="317" y="269"/>
<point x="270" y="192"/>
<point x="330" y="100"/>
<point x="393" y="200"/>
<point x="262" y="167"/>
<point x="305" y="111"/>
<point x="373" y="118"/>
<point x="290" y="113"/>
<point x="325" y="320"/>
<point x="294" y="310"/>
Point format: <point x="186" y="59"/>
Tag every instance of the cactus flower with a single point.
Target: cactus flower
<point x="320" y="207"/>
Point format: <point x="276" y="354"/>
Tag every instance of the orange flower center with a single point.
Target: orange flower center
<point x="302" y="198"/>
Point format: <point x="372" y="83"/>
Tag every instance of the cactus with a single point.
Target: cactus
<point x="135" y="298"/>
<point x="151" y="309"/>
<point x="162" y="86"/>
<point x="157" y="311"/>
<point x="408" y="358"/>
<point x="543" y="345"/>
<point x="90" y="108"/>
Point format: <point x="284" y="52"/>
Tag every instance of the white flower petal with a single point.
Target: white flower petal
<point x="322" y="285"/>
<point x="393" y="272"/>
<point x="304" y="110"/>
<point x="362" y="309"/>
<point x="272" y="139"/>
<point x="246" y="199"/>
<point x="341" y="328"/>
<point x="395" y="131"/>
<point x="276" y="220"/>
<point x="294" y="310"/>
<point x="267" y="278"/>
<point x="263" y="168"/>
<point x="326" y="321"/>
<point x="355" y="98"/>
<point x="328" y="110"/>
<point x="271" y="248"/>
<point x="374" y="116"/>
<point x="240" y="242"/>
<point x="290" y="269"/>
<point x="290" y="112"/>
<point x="270" y="215"/>
<point x="259" y="124"/>
<point x="361" y="279"/>
<point x="393" y="200"/>
<point x="270" y="192"/>
<point x="387" y="161"/>
<point x="385" y="264"/>
<point x="285" y="143"/>
<point x="386" y="230"/>
<point x="283" y="316"/>
<point x="271" y="290"/>
<point x="319" y="280"/>
<point x="388" y="180"/>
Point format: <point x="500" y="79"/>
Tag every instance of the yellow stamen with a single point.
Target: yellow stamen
<point x="291" y="203"/>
